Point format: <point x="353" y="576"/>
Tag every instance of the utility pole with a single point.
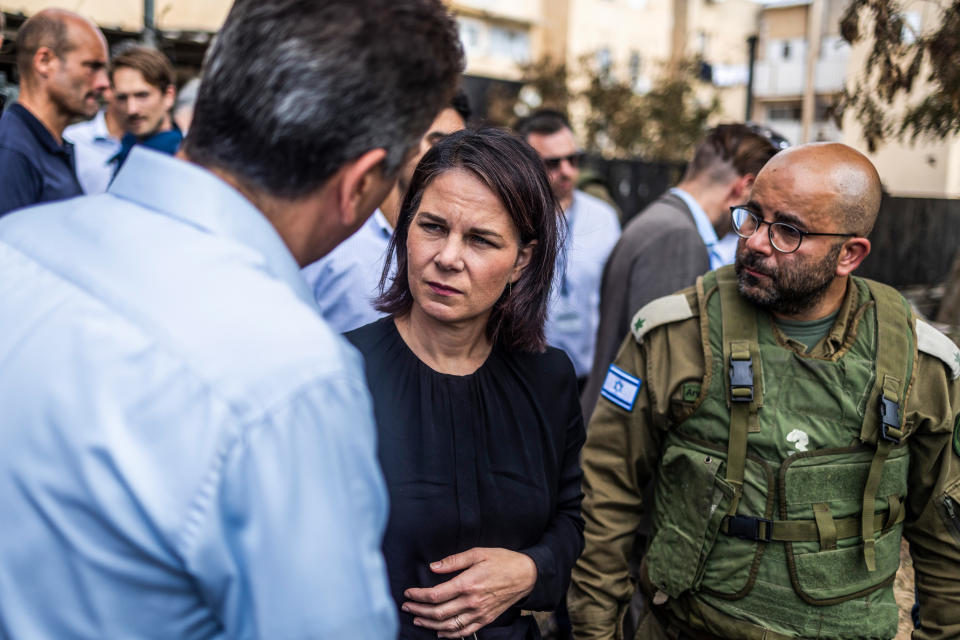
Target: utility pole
<point x="751" y="63"/>
<point x="678" y="40"/>
<point x="149" y="27"/>
<point x="809" y="104"/>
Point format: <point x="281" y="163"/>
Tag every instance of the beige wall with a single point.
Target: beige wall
<point x="126" y="14"/>
<point x="621" y="27"/>
<point x="785" y="23"/>
<point x="193" y="15"/>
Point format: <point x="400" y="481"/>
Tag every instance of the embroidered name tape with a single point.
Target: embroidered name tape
<point x="621" y="388"/>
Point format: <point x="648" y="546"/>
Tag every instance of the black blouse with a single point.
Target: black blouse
<point x="489" y="459"/>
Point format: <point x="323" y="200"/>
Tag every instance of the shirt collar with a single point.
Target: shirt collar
<point x="39" y="130"/>
<point x="704" y="226"/>
<point x="382" y="223"/>
<point x="99" y="126"/>
<point x="843" y="331"/>
<point x="189" y="193"/>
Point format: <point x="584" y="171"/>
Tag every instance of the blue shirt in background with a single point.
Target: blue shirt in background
<point x="704" y="228"/>
<point x="573" y="311"/>
<point x="346" y="281"/>
<point x="188" y="449"/>
<point x="34" y="167"/>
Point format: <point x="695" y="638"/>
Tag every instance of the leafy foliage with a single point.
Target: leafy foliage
<point x="899" y="58"/>
<point x="663" y="124"/>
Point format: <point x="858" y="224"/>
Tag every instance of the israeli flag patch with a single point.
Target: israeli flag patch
<point x="621" y="388"/>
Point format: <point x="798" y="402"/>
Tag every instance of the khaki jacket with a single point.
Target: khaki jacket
<point x="623" y="448"/>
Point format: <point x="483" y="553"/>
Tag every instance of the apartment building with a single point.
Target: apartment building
<point x="794" y="34"/>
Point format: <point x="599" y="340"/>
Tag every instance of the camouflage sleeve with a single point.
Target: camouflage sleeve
<point x="620" y="455"/>
<point x="933" y="516"/>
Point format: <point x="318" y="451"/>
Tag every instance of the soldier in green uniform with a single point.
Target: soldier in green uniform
<point x="794" y="421"/>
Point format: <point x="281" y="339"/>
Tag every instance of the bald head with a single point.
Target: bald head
<point x="59" y="30"/>
<point x="838" y="176"/>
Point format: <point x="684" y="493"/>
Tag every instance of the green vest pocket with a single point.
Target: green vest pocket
<point x="690" y="500"/>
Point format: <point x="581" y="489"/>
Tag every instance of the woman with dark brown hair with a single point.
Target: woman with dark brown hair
<point x="479" y="424"/>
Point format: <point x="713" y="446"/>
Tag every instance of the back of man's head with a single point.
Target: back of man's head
<point x="730" y="151"/>
<point x="152" y="65"/>
<point x="543" y="122"/>
<point x="46" y="29"/>
<point x="295" y="89"/>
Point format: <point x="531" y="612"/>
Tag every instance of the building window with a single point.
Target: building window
<point x="787" y="111"/>
<point x="604" y="60"/>
<point x="634" y="67"/>
<point x="510" y="43"/>
<point x="471" y="34"/>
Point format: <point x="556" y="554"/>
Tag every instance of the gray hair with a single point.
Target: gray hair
<point x="294" y="89"/>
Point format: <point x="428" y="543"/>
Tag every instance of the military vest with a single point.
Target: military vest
<point x="779" y="499"/>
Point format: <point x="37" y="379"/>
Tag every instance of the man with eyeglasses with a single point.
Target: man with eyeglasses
<point x="675" y="238"/>
<point x="592" y="229"/>
<point x="793" y="420"/>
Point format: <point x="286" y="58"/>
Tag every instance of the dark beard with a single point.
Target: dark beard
<point x="790" y="292"/>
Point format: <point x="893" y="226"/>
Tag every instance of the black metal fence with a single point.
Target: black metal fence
<point x="633" y="184"/>
<point x="914" y="241"/>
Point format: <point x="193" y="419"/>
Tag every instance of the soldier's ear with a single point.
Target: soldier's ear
<point x="851" y="255"/>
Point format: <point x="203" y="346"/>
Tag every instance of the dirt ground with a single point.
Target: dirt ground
<point x="903" y="590"/>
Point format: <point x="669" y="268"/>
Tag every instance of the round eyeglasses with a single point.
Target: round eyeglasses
<point x="784" y="237"/>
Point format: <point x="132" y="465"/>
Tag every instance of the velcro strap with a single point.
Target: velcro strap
<point x="826" y="526"/>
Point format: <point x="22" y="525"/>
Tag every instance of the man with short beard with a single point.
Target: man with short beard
<point x="62" y="61"/>
<point x="795" y="421"/>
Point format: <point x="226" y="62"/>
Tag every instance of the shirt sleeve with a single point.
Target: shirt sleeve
<point x="619" y="452"/>
<point x="619" y="459"/>
<point x="20" y="184"/>
<point x="288" y="545"/>
<point x="562" y="542"/>
<point x="933" y="515"/>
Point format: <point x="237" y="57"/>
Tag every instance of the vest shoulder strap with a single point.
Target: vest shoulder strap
<point x="883" y="420"/>
<point x="934" y="343"/>
<point x="665" y="310"/>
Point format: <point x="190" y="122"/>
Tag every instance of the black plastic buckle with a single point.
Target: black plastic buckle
<point x="889" y="418"/>
<point x="748" y="528"/>
<point x="741" y="377"/>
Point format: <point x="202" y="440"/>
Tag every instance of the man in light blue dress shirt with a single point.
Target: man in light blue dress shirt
<point x="346" y="281"/>
<point x="188" y="449"/>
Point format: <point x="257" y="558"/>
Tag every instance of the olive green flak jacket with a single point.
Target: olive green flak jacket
<point x="780" y="491"/>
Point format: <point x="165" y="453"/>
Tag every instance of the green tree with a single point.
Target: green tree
<point x="899" y="59"/>
<point x="663" y="124"/>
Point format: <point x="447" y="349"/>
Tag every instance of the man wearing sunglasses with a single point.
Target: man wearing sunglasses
<point x="794" y="422"/>
<point x="592" y="229"/>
